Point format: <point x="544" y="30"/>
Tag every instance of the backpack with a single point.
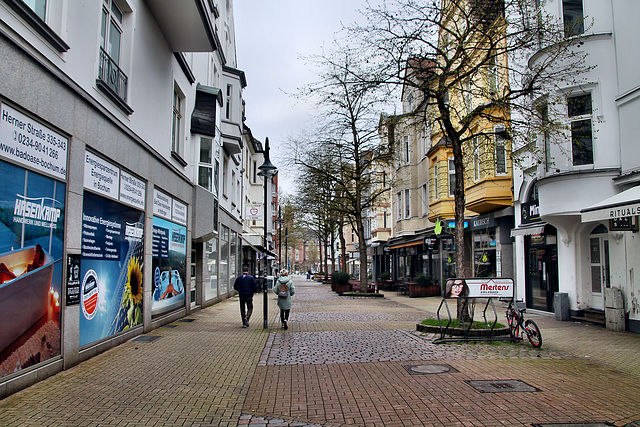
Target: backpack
<point x="283" y="290"/>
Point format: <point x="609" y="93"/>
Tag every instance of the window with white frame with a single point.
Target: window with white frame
<point x="205" y="167"/>
<point x="228" y="102"/>
<point x="501" y="150"/>
<point x="216" y="180"/>
<point x="573" y="17"/>
<point x="39" y="7"/>
<point x="405" y="149"/>
<point x="493" y="73"/>
<point x="111" y="29"/>
<point x="426" y="140"/>
<point x="436" y="195"/>
<point x="543" y="111"/>
<point x="233" y="188"/>
<point x="425" y="199"/>
<point x="579" y="111"/>
<point x="385" y="218"/>
<point x="225" y="166"/>
<point x="452" y="177"/>
<point x="399" y="206"/>
<point x="476" y="159"/>
<point x="407" y="203"/>
<point x="176" y="122"/>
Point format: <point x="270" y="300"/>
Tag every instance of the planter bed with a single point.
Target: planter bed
<point x="459" y="332"/>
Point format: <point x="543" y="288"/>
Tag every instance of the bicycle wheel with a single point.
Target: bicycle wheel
<point x="512" y="321"/>
<point x="533" y="333"/>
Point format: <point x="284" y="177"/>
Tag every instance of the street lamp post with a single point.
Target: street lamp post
<point x="286" y="248"/>
<point x="279" y="220"/>
<point x="267" y="170"/>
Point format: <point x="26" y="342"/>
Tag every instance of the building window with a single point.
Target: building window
<point x="255" y="172"/>
<point x="216" y="180"/>
<point x="205" y="168"/>
<point x="385" y="218"/>
<point x="476" y="159"/>
<point x="399" y="206"/>
<point x="501" y="151"/>
<point x="425" y="199"/>
<point x="225" y="166"/>
<point x="233" y="188"/>
<point x="452" y="177"/>
<point x="579" y="112"/>
<point x="573" y="17"/>
<point x="435" y="181"/>
<point x="38" y="6"/>
<point x="109" y="69"/>
<point x="493" y="73"/>
<point x="228" y="104"/>
<point x="543" y="111"/>
<point x="407" y="203"/>
<point x="176" y="123"/>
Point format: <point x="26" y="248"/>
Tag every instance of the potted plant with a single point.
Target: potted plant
<point x="340" y="282"/>
<point x="422" y="286"/>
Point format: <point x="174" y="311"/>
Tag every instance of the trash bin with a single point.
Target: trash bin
<point x="561" y="306"/>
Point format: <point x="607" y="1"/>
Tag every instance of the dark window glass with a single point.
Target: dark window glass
<point x="573" y="17"/>
<point x="581" y="143"/>
<point x="579" y="105"/>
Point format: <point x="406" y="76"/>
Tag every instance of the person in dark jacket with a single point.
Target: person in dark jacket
<point x="246" y="286"/>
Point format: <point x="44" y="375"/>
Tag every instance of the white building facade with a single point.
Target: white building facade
<point x="121" y="150"/>
<point x="576" y="210"/>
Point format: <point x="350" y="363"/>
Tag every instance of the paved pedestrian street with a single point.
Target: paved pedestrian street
<point x="343" y="361"/>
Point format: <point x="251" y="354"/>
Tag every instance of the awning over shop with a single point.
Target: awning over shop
<point x="255" y="243"/>
<point x="528" y="231"/>
<point x="623" y="205"/>
<point x="407" y="244"/>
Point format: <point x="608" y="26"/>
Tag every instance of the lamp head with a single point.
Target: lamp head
<point x="267" y="169"/>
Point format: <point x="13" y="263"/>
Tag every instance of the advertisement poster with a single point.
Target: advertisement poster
<point x="32" y="210"/>
<point x="169" y="265"/>
<point x="479" y="288"/>
<point x="111" y="285"/>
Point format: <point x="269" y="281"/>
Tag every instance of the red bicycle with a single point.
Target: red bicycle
<point x="518" y="326"/>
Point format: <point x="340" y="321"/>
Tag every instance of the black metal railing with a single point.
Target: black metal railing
<point x="112" y="76"/>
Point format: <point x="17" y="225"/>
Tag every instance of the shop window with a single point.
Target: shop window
<point x="579" y="112"/>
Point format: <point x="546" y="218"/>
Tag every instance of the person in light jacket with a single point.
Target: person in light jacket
<point x="284" y="302"/>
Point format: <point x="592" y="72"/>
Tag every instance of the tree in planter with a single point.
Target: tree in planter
<point x="466" y="62"/>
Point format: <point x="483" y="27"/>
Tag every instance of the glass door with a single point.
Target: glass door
<point x="599" y="254"/>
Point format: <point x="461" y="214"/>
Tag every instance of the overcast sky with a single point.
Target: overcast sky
<point x="270" y="38"/>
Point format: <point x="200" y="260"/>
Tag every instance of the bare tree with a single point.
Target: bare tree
<point x="348" y="111"/>
<point x="469" y="62"/>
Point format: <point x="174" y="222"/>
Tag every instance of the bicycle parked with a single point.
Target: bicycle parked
<point x="518" y="326"/>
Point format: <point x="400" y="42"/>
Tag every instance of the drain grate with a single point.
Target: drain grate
<point x="146" y="338"/>
<point x="501" y="386"/>
<point x="169" y="326"/>
<point x="186" y="320"/>
<point x="440" y="368"/>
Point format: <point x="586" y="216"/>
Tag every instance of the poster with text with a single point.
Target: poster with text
<point x="169" y="265"/>
<point x="32" y="209"/>
<point x="111" y="285"/>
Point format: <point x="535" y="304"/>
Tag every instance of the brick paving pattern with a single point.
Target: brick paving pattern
<point x="343" y="361"/>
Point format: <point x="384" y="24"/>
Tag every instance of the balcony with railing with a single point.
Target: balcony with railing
<point x="112" y="81"/>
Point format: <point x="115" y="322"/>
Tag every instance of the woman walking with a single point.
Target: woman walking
<point x="284" y="289"/>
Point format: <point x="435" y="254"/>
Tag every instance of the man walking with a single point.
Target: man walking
<point x="246" y="286"/>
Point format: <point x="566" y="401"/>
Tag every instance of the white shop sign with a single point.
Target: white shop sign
<point x="101" y="176"/>
<point x="26" y="141"/>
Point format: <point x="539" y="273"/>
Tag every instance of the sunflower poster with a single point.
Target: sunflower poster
<point x="111" y="283"/>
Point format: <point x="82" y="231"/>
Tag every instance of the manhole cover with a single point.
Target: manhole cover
<point x="146" y="338"/>
<point x="186" y="320"/>
<point x="501" y="386"/>
<point x="429" y="369"/>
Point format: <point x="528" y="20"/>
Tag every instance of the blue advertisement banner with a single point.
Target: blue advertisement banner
<point x="169" y="265"/>
<point x="111" y="284"/>
<point x="32" y="210"/>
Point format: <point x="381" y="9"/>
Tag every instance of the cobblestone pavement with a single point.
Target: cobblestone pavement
<point x="343" y="361"/>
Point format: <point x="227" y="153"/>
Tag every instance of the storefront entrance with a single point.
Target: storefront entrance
<point x="541" y="269"/>
<point x="599" y="255"/>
